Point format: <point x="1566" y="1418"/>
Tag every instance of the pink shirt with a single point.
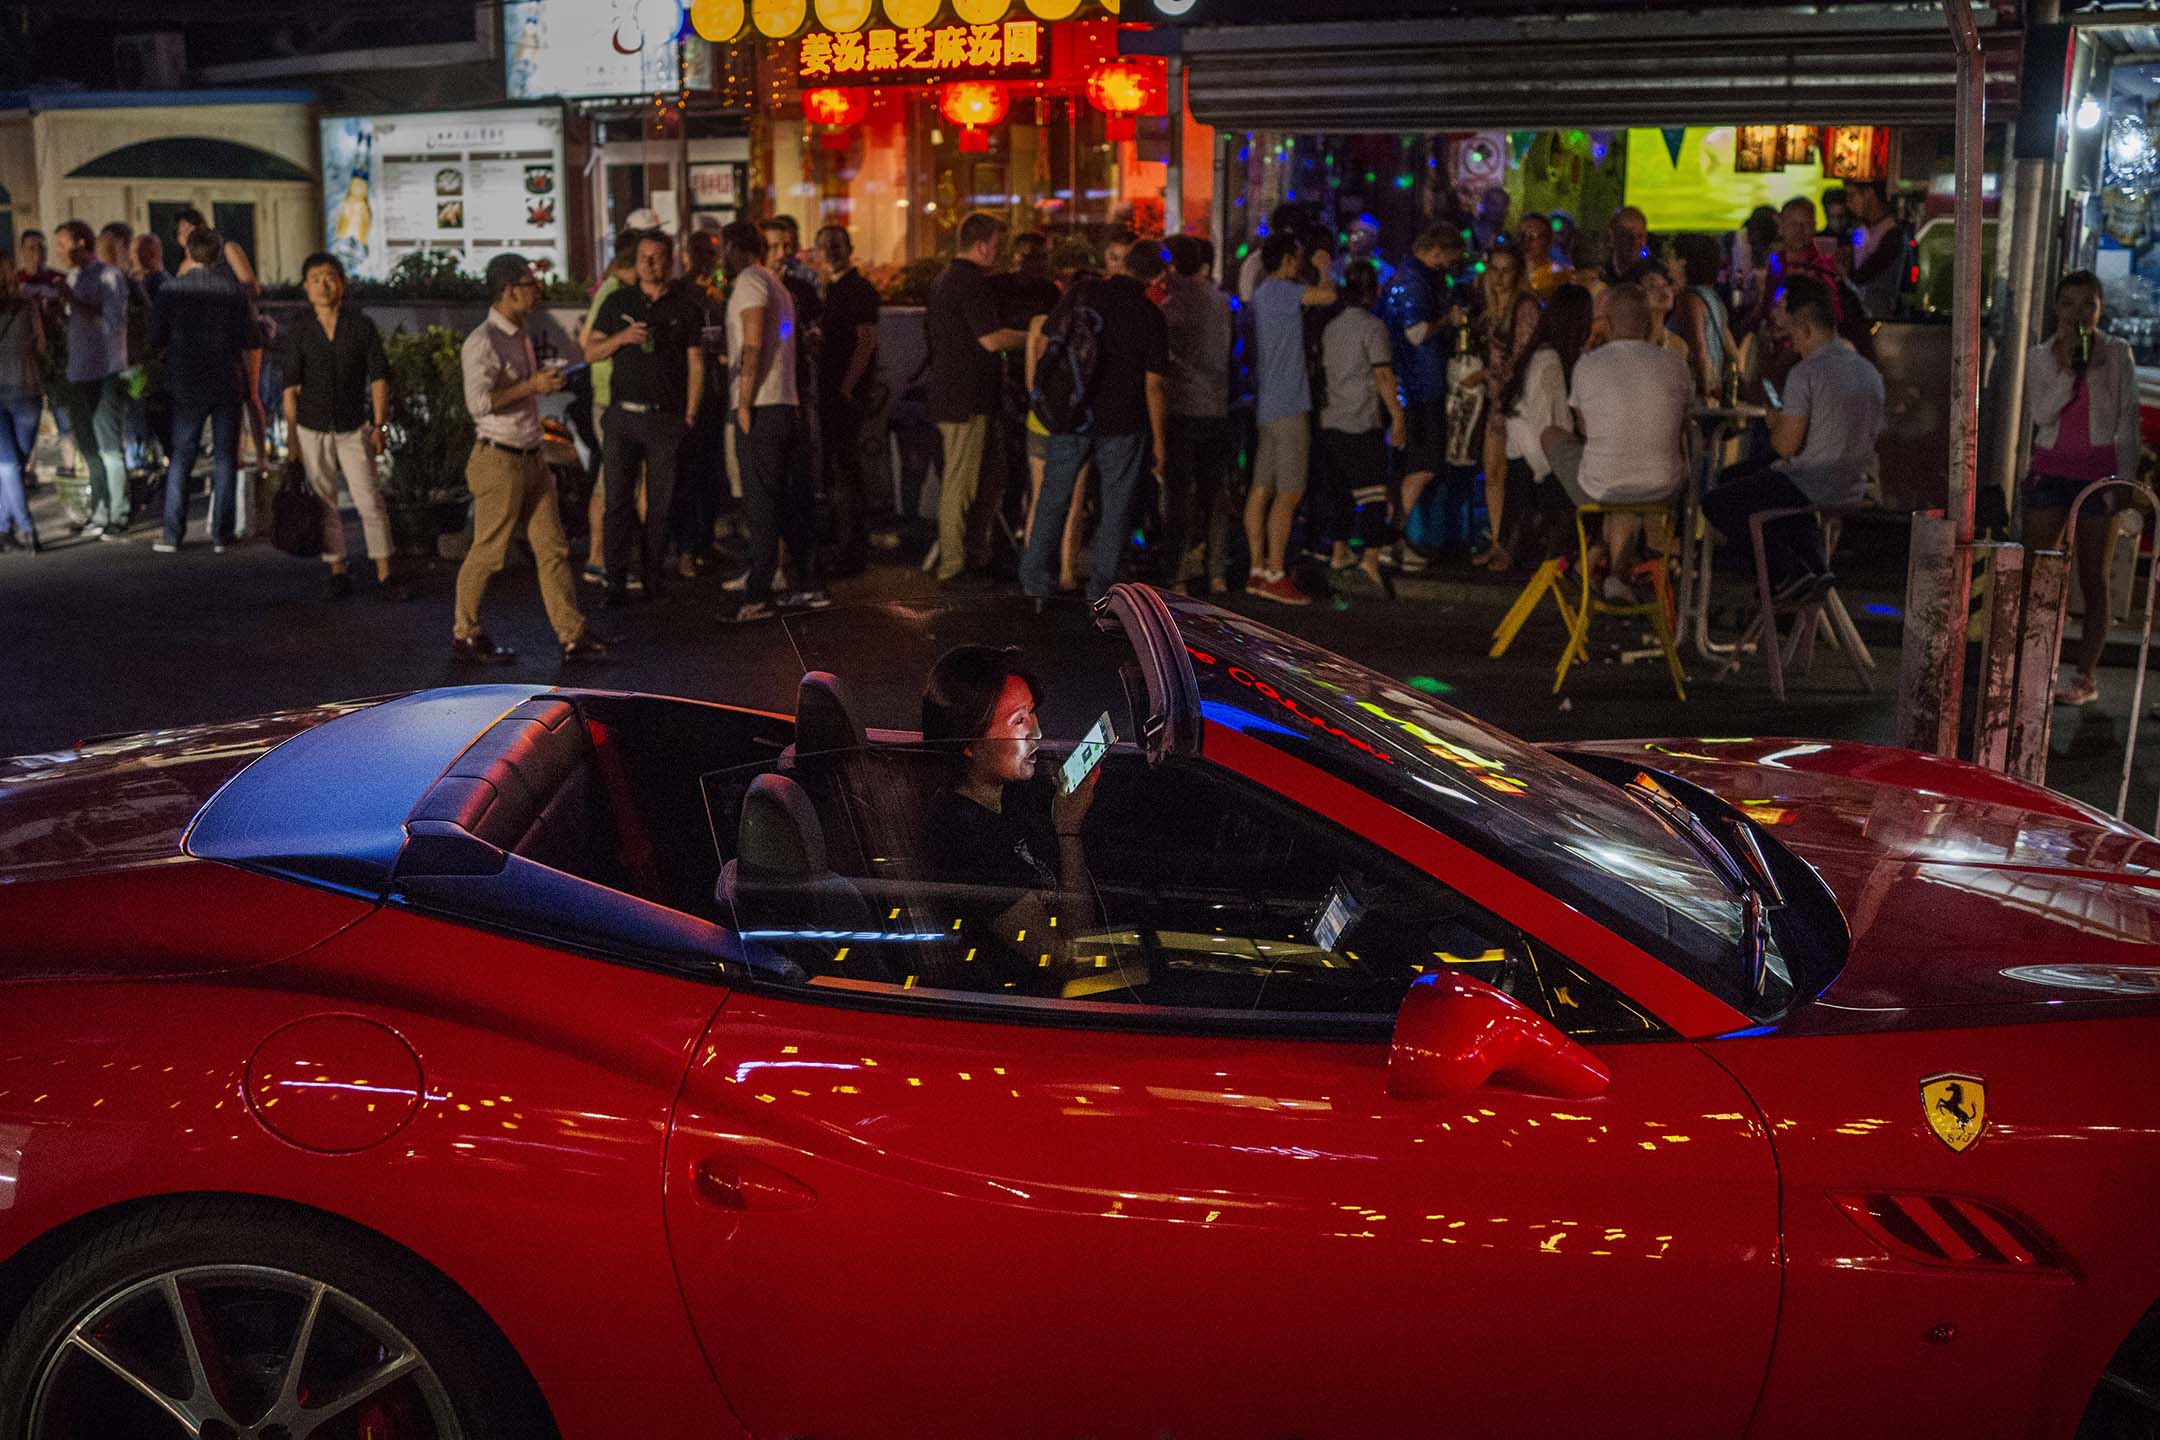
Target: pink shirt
<point x="2073" y="456"/>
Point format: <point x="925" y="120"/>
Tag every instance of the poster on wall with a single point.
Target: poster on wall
<point x="475" y="183"/>
<point x="583" y="48"/>
<point x="1706" y="184"/>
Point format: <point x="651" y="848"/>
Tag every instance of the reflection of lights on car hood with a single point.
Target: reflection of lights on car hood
<point x="2107" y="979"/>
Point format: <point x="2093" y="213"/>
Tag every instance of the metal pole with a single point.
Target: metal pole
<point x="1938" y="580"/>
<point x="1968" y="279"/>
<point x="1174" y="162"/>
<point x="2047" y="591"/>
<point x="2032" y="204"/>
<point x="1993" y="718"/>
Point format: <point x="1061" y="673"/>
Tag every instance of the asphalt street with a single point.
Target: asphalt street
<point x="112" y="637"/>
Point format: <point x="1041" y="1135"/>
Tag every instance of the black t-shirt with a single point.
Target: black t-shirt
<point x="659" y="377"/>
<point x="1135" y="344"/>
<point x="1020" y="298"/>
<point x="963" y="375"/>
<point x="851" y="302"/>
<point x="334" y="373"/>
<point x="1013" y="850"/>
<point x="1014" y="847"/>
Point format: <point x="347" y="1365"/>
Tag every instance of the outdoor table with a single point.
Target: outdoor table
<point x="1697" y="543"/>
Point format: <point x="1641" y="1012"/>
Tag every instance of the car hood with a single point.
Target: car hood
<point x="1971" y="896"/>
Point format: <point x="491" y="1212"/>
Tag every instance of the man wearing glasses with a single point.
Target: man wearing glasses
<point x="511" y="487"/>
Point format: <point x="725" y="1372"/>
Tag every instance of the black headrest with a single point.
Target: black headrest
<point x="824" y="721"/>
<point x="780" y="838"/>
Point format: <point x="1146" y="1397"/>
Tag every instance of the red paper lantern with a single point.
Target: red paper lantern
<point x="1132" y="85"/>
<point x="973" y="104"/>
<point x="832" y="106"/>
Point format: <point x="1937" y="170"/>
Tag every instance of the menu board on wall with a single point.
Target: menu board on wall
<point x="584" y="48"/>
<point x="475" y="183"/>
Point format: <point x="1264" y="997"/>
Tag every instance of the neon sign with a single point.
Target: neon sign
<point x="1016" y="49"/>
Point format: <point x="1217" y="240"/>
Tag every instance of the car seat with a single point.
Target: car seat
<point x="782" y="894"/>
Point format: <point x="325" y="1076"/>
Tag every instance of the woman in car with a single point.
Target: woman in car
<point x="999" y="826"/>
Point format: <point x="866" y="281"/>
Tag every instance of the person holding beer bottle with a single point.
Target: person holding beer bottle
<point x="2081" y="402"/>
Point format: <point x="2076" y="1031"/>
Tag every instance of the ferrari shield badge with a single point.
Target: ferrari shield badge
<point x="1956" y="1108"/>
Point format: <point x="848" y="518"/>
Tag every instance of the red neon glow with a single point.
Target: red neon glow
<point x="834" y="106"/>
<point x="974" y="103"/>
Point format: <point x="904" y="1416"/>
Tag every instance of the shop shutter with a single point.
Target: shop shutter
<point x="1275" y="80"/>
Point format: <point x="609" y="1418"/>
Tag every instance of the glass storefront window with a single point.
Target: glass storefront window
<point x="901" y="181"/>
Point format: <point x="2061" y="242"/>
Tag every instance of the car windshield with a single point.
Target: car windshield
<point x="1578" y="837"/>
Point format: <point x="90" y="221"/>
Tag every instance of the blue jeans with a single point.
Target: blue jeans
<point x="1117" y="470"/>
<point x="135" y="431"/>
<point x="18" y="444"/>
<point x="188" y="417"/>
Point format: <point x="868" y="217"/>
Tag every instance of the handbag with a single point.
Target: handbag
<point x="296" y="513"/>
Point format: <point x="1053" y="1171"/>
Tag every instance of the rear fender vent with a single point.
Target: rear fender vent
<point x="1953" y="1231"/>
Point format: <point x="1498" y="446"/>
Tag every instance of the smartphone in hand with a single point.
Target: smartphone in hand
<point x="1086" y="756"/>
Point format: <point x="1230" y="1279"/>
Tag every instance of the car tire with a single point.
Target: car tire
<point x="2121" y="1407"/>
<point x="99" y="1342"/>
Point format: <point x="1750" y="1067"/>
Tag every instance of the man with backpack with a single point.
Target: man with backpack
<point x="1100" y="390"/>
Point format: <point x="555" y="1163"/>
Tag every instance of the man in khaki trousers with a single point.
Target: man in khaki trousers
<point x="511" y="487"/>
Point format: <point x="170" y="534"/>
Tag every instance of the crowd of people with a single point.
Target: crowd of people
<point x="1489" y="347"/>
<point x="1128" y="412"/>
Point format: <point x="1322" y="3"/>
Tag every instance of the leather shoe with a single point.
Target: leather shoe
<point x="481" y="650"/>
<point x="586" y="647"/>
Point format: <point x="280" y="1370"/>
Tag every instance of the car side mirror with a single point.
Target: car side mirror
<point x="1455" y="1034"/>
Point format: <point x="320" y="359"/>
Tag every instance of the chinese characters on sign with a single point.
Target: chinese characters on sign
<point x="1015" y="49"/>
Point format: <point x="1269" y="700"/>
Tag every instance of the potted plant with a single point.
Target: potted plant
<point x="429" y="437"/>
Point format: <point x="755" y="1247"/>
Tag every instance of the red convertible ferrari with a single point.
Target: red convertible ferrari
<point x="511" y="1061"/>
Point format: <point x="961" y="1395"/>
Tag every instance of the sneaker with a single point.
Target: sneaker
<point x="1282" y="590"/>
<point x="337" y="585"/>
<point x="110" y="537"/>
<point x="91" y="531"/>
<point x="1356" y="581"/>
<point x="218" y="549"/>
<point x="586" y="647"/>
<point x="1409" y="561"/>
<point x="480" y="650"/>
<point x="806" y="600"/>
<point x="1617" y="591"/>
<point x="736" y="584"/>
<point x="2082" y="690"/>
<point x="166" y="547"/>
<point x="750" y="611"/>
<point x="595" y="575"/>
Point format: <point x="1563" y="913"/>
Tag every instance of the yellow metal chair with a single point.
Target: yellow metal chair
<point x="1657" y="609"/>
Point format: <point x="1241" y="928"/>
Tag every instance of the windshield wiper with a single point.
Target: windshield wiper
<point x="1742" y="865"/>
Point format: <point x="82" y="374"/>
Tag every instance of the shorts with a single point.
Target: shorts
<point x="1283" y="456"/>
<point x="1425" y="452"/>
<point x="2054" y="492"/>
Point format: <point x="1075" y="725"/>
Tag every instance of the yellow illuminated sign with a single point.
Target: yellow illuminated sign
<point x="1015" y="49"/>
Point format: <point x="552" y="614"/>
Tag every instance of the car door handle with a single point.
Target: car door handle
<point x="736" y="1182"/>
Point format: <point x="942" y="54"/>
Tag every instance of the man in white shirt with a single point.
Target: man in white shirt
<point x="769" y="442"/>
<point x="95" y="296"/>
<point x="1630" y="397"/>
<point x="511" y="486"/>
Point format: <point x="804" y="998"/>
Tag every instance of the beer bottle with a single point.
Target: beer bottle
<point x="2081" y="348"/>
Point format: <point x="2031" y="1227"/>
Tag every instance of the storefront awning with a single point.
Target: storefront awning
<point x="1640" y="70"/>
<point x="191" y="157"/>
